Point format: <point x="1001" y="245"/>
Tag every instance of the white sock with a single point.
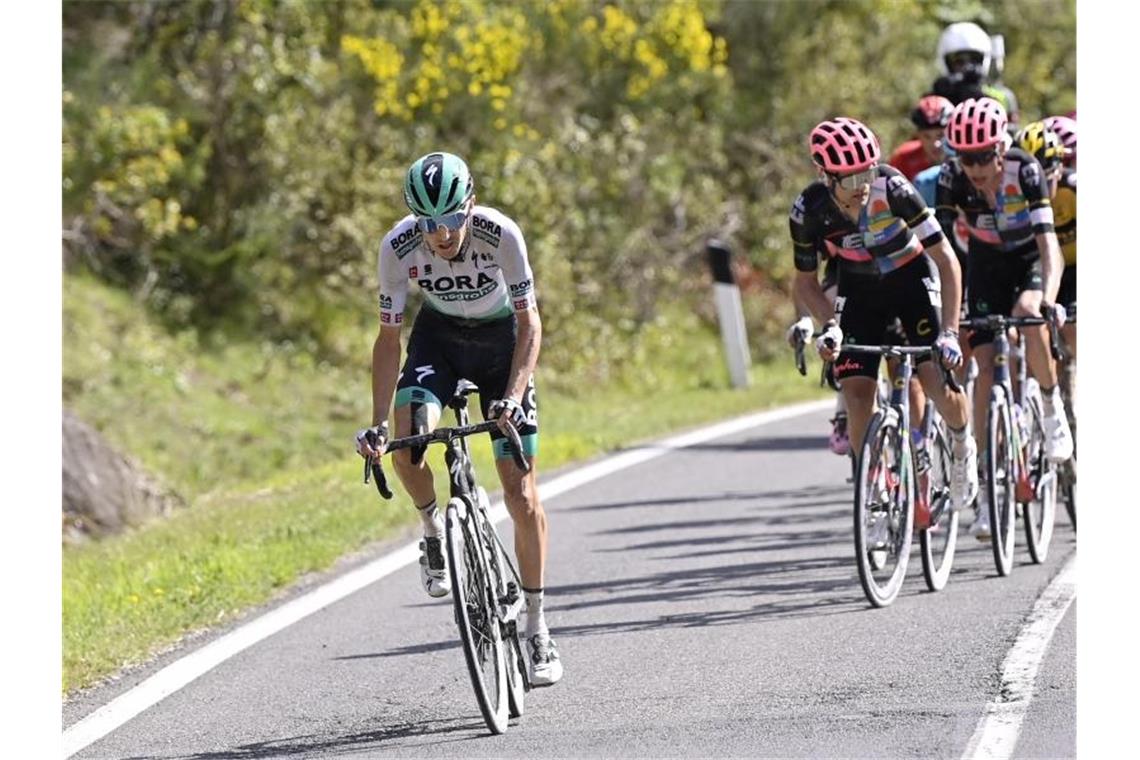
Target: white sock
<point x="535" y="619"/>
<point x="429" y="516"/>
<point x="960" y="439"/>
<point x="1051" y="400"/>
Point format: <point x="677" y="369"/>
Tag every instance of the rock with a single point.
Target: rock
<point x="105" y="492"/>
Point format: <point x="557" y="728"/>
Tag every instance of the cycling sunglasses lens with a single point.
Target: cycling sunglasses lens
<point x="451" y="221"/>
<point x="857" y="180"/>
<point x="977" y="159"/>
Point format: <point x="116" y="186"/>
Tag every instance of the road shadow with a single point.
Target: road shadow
<point x="831" y="492"/>
<point x="767" y="443"/>
<point x="311" y="745"/>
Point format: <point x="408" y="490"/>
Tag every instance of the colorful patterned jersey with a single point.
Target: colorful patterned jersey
<point x="1021" y="209"/>
<point x="894" y="227"/>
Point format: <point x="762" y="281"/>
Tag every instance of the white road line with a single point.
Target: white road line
<point x="173" y="677"/>
<point x="996" y="735"/>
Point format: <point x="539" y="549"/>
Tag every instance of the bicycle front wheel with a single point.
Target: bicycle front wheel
<point x="940" y="539"/>
<point x="476" y="614"/>
<point x="1041" y="510"/>
<point x="1068" y="474"/>
<point x="884" y="510"/>
<point x="1002" y="474"/>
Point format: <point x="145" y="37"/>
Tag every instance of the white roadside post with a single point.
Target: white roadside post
<point x="729" y="313"/>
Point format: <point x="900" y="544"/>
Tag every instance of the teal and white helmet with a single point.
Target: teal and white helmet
<point x="437" y="184"/>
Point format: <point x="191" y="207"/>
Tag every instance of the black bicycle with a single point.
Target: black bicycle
<point x="1018" y="472"/>
<point x="887" y="482"/>
<point x="485" y="585"/>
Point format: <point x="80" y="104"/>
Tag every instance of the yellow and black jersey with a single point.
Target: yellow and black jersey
<point x="1065" y="215"/>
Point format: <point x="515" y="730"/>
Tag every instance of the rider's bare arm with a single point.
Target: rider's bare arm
<point x="951" y="276"/>
<point x="1052" y="264"/>
<point x="808" y="292"/>
<point x="527" y="345"/>
<point x="385" y="371"/>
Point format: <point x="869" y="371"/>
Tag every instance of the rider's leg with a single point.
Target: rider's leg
<point x="951" y="405"/>
<point x="1069" y="369"/>
<point x="1058" y="437"/>
<point x="520" y="493"/>
<point x="984" y="355"/>
<point x="859" y="393"/>
<point x="417" y="480"/>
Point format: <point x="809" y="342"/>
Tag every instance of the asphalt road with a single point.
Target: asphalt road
<point x="705" y="603"/>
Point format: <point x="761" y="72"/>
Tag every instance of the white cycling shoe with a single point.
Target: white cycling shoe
<point x="433" y="568"/>
<point x="543" y="664"/>
<point x="1058" y="437"/>
<point x="981" y="526"/>
<point x="964" y="476"/>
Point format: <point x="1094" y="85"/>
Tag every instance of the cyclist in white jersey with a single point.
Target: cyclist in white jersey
<point x="480" y="322"/>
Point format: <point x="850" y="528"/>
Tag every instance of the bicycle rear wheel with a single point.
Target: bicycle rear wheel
<point x="1040" y="511"/>
<point x="476" y="614"/>
<point x="1002" y="473"/>
<point x="884" y="510"/>
<point x="938" y="541"/>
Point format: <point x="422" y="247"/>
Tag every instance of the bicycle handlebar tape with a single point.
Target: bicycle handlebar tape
<point x="419" y="427"/>
<point x="517" y="450"/>
<point x="726" y="296"/>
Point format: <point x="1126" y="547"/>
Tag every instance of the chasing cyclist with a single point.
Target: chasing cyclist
<point x="925" y="150"/>
<point x="888" y="246"/>
<point x="1014" y="261"/>
<point x="1046" y="145"/>
<point x="479" y="321"/>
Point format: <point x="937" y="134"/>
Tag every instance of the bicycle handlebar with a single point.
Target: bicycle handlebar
<point x="1000" y="323"/>
<point x="441" y="435"/>
<point x="895" y="351"/>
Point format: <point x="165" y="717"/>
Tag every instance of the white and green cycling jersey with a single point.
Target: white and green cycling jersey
<point x="489" y="279"/>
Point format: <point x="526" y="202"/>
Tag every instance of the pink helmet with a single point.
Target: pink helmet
<point x="1066" y="129"/>
<point x="976" y="125"/>
<point x="932" y="111"/>
<point x="843" y="146"/>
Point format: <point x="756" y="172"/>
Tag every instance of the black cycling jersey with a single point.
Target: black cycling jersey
<point x="892" y="230"/>
<point x="1022" y="206"/>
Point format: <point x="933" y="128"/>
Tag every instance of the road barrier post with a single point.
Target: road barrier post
<point x="729" y="313"/>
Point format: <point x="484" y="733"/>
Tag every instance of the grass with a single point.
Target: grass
<point x="259" y="440"/>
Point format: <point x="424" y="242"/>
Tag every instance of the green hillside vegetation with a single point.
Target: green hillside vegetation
<point x="230" y="167"/>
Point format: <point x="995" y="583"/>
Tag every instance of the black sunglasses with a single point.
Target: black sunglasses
<point x="977" y="158"/>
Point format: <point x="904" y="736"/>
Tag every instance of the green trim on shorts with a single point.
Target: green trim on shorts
<point x="529" y="444"/>
<point x="405" y="396"/>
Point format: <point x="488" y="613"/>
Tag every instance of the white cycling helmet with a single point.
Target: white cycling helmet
<point x="964" y="36"/>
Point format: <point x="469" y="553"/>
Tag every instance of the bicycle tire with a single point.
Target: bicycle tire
<point x="875" y="463"/>
<point x="1069" y="489"/>
<point x="1001" y="471"/>
<point x="476" y="615"/>
<point x="1040" y="511"/>
<point x="939" y="541"/>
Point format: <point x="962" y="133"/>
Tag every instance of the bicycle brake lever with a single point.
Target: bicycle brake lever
<point x="951" y="380"/>
<point x="516" y="449"/>
<point x="381" y="481"/>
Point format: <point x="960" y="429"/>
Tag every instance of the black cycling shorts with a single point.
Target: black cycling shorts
<point x="996" y="280"/>
<point x="868" y="305"/>
<point x="442" y="350"/>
